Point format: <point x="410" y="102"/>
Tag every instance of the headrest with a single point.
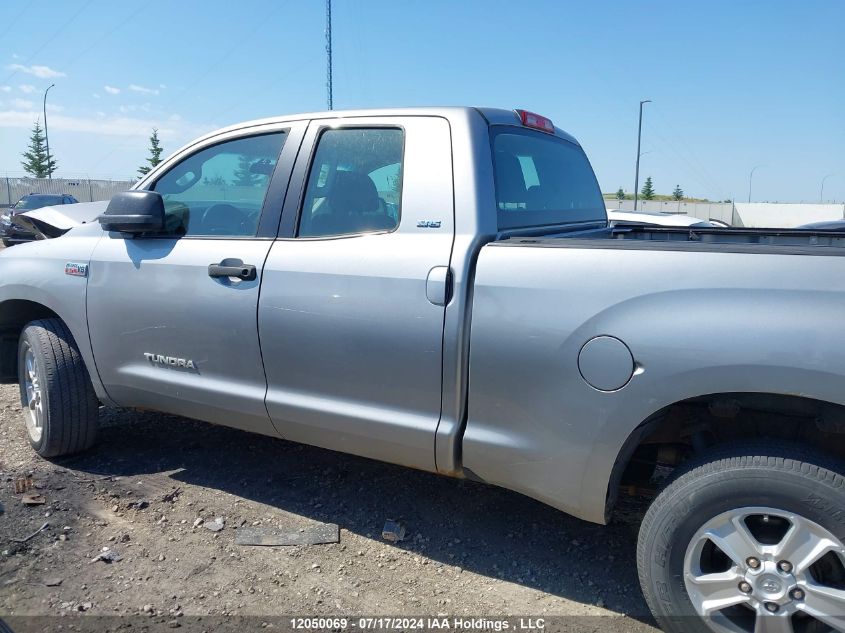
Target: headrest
<point x="353" y="192"/>
<point x="510" y="183"/>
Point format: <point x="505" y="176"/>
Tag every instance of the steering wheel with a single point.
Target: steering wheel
<point x="231" y="224"/>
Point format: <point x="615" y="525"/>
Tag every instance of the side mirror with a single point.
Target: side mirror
<point x="134" y="212"/>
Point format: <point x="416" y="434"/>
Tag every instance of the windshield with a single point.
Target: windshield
<point x="542" y="180"/>
<point x="36" y="202"/>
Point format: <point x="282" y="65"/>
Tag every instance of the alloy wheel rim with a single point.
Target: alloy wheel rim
<point x="32" y="401"/>
<point x="759" y="569"/>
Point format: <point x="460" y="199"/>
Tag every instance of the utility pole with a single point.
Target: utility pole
<point x="329" y="53"/>
<point x="750" y="176"/>
<point x="821" y="192"/>
<point x="46" y="135"/>
<point x="639" y="139"/>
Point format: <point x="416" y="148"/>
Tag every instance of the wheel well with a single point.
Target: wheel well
<point x="14" y="315"/>
<point x="683" y="429"/>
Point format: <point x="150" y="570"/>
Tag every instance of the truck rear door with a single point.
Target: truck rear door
<point x="354" y="291"/>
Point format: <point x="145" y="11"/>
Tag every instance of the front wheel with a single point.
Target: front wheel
<point x="750" y="540"/>
<point x="59" y="406"/>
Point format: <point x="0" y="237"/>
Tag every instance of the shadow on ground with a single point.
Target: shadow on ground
<point x="484" y="529"/>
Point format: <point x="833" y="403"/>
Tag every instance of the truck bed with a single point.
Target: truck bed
<point x="699" y="312"/>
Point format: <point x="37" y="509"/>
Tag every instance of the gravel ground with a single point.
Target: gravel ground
<point x="153" y="483"/>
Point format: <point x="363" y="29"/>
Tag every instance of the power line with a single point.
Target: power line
<point x="210" y="68"/>
<point x="688" y="152"/>
<point x="15" y="19"/>
<point x="102" y="38"/>
<point x="52" y="37"/>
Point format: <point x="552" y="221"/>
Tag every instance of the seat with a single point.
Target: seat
<point x="510" y="182"/>
<point x="352" y="206"/>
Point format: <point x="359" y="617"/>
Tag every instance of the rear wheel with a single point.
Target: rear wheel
<point x="750" y="540"/>
<point x="59" y="406"/>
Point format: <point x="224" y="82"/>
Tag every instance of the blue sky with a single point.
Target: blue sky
<point x="734" y="83"/>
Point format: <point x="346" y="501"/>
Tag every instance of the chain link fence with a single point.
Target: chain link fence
<point x="83" y="189"/>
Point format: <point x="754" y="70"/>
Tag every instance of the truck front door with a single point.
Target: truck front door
<point x="171" y="332"/>
<point x="354" y="291"/>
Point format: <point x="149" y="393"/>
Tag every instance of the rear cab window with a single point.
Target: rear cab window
<point x="542" y="180"/>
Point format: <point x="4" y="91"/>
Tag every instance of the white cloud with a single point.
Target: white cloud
<point x="5" y="89"/>
<point x="55" y="108"/>
<point x="27" y="88"/>
<point x="42" y="72"/>
<point x="143" y="90"/>
<point x="121" y="126"/>
<point x="135" y="108"/>
<point x="23" y="104"/>
<point x="112" y="90"/>
<point x="95" y="95"/>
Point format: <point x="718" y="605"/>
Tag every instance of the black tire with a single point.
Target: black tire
<point x="774" y="475"/>
<point x="69" y="405"/>
<point x="7" y="243"/>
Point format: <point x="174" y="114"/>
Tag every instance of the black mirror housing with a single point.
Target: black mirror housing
<point x="134" y="212"/>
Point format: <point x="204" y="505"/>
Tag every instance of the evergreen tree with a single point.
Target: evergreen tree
<point x="396" y="186"/>
<point x="620" y="194"/>
<point x="216" y="181"/>
<point x="244" y="174"/>
<point x="647" y="192"/>
<point x="38" y="164"/>
<point x="678" y="193"/>
<point x="155" y="154"/>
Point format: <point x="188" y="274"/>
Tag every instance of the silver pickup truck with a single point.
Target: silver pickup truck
<point x="439" y="288"/>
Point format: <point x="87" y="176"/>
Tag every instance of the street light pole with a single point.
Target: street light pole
<point x="639" y="139"/>
<point x="821" y="192"/>
<point x="750" y="176"/>
<point x="46" y="135"/>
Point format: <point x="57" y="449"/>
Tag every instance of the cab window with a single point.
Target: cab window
<point x="355" y="183"/>
<point x="542" y="180"/>
<point x="219" y="191"/>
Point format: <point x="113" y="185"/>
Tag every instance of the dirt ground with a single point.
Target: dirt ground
<point x="153" y="483"/>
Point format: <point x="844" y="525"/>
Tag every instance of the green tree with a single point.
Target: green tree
<point x="37" y="163"/>
<point x="647" y="192"/>
<point x="396" y="185"/>
<point x="678" y="193"/>
<point x="620" y="194"/>
<point x="245" y="174"/>
<point x="155" y="154"/>
<point x="216" y="181"/>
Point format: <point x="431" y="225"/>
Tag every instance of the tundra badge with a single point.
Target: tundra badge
<point x="76" y="270"/>
<point x="171" y="361"/>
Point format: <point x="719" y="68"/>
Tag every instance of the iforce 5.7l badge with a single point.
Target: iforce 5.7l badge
<point x="76" y="270"/>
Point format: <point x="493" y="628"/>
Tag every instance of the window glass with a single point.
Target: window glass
<point x="37" y="201"/>
<point x="542" y="180"/>
<point x="355" y="183"/>
<point x="220" y="190"/>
